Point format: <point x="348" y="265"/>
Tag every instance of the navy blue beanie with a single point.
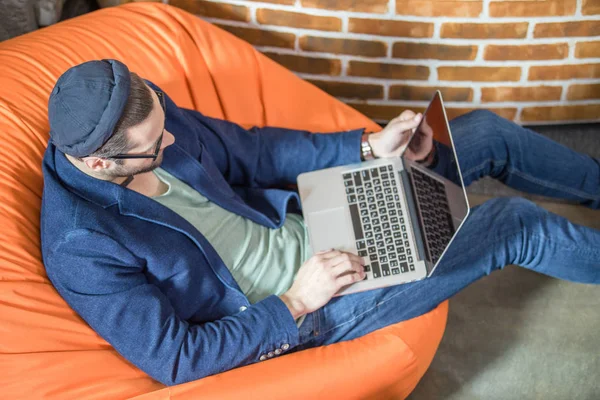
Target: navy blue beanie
<point x="86" y="104"/>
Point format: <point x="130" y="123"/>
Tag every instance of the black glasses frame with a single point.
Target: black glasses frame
<point x="161" y="98"/>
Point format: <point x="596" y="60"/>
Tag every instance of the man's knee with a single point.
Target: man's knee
<point x="483" y="116"/>
<point x="513" y="212"/>
<point x="486" y="133"/>
<point x="482" y="127"/>
<point x="501" y="205"/>
<point x="476" y="119"/>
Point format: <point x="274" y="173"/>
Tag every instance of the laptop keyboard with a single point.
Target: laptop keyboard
<point x="378" y="221"/>
<point x="435" y="211"/>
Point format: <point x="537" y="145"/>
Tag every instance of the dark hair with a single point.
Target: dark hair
<point x="137" y="109"/>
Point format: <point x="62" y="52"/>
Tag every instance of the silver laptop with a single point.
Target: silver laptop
<point x="395" y="213"/>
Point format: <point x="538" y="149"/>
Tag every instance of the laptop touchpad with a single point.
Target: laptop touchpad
<point x="331" y="229"/>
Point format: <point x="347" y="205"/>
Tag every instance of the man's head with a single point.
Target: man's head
<point x="108" y="120"/>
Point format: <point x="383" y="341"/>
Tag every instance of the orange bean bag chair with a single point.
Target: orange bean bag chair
<point x="46" y="350"/>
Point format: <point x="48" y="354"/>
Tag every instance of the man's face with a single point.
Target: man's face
<point x="144" y="137"/>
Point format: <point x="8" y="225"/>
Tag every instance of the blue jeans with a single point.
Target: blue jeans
<point x="499" y="232"/>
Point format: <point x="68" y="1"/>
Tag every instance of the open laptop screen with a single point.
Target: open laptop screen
<point x="435" y="125"/>
<point x="442" y="194"/>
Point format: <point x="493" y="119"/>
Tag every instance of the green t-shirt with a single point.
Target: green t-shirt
<point x="262" y="260"/>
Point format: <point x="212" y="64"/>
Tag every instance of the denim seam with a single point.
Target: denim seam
<point x="575" y="249"/>
<point x="550" y="185"/>
<point x="483" y="164"/>
<point x="365" y="312"/>
<point x="546" y="184"/>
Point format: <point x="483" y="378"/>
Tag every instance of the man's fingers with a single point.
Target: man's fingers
<point x="348" y="279"/>
<point x="328" y="254"/>
<point x="347" y="267"/>
<point x="408" y="125"/>
<point x="405" y="115"/>
<point x="344" y="257"/>
<point x="323" y="251"/>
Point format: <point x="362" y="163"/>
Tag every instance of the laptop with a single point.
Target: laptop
<point x="397" y="214"/>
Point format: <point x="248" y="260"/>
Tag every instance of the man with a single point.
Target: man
<point x="173" y="236"/>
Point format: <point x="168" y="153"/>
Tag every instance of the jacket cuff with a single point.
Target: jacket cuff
<point x="350" y="143"/>
<point x="286" y="330"/>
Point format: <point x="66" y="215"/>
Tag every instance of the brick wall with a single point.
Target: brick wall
<point x="533" y="61"/>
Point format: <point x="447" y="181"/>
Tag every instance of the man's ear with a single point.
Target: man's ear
<point x="96" y="164"/>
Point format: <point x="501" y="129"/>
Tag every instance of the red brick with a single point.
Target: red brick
<point x="561" y="113"/>
<point x="479" y="74"/>
<point x="350" y="90"/>
<point x="529" y="8"/>
<point x="380" y="112"/>
<point x="308" y="65"/>
<point x="388" y="112"/>
<point x="588" y="49"/>
<point x="556" y="51"/>
<point x="433" y="51"/>
<point x="391" y="28"/>
<point x="367" y="48"/>
<point x="584" y="92"/>
<point x="368" y="6"/>
<point x="437" y="8"/>
<point x="298" y="20"/>
<point x="590" y="7"/>
<point x="213" y="10"/>
<point x="538" y="93"/>
<point x="484" y="31"/>
<point x="569" y="71"/>
<point x="388" y="71"/>
<point x="259" y="37"/>
<point x="566" y="29"/>
<point x="425" y="93"/>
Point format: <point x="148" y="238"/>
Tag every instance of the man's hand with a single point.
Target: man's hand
<point x="394" y="138"/>
<point x="319" y="278"/>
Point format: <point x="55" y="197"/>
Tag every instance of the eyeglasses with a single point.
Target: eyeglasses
<point x="161" y="98"/>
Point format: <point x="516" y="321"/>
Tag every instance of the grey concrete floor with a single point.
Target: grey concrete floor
<point x="517" y="334"/>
